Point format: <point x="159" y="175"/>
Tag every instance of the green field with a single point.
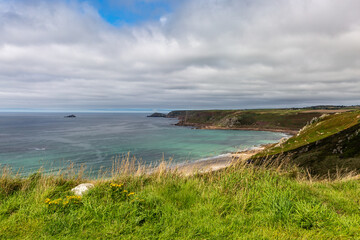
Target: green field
<point x="241" y="202"/>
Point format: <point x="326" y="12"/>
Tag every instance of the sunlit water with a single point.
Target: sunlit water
<point x="29" y="141"/>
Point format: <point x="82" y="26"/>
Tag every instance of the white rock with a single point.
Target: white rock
<point x="282" y="140"/>
<point x="79" y="190"/>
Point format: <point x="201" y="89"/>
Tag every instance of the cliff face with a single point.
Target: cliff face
<point x="273" y="120"/>
<point x="176" y="114"/>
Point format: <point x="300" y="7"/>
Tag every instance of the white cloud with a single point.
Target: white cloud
<point x="163" y="20"/>
<point x="206" y="54"/>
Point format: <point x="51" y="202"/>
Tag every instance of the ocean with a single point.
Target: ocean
<point x="29" y="141"/>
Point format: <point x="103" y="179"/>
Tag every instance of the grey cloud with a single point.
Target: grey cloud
<point x="207" y="54"/>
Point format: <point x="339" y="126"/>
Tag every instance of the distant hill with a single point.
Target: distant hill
<point x="283" y="120"/>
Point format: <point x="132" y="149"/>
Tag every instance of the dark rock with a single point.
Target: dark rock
<point x="157" y="115"/>
<point x="70" y="116"/>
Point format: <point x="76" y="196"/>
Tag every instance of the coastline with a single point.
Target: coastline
<point x="211" y="127"/>
<point x="222" y="161"/>
<point x="216" y="163"/>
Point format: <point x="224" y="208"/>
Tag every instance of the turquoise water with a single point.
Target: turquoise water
<point x="29" y="141"/>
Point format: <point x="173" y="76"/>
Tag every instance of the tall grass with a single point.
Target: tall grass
<point x="244" y="201"/>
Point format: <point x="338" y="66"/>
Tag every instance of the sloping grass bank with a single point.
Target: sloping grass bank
<point x="323" y="146"/>
<point x="240" y="202"/>
<point x="318" y="129"/>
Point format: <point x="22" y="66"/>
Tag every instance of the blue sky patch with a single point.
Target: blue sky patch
<point x="131" y="11"/>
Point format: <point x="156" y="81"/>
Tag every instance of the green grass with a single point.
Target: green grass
<point x="237" y="203"/>
<point x="318" y="130"/>
<point x="262" y="119"/>
<point x="270" y="119"/>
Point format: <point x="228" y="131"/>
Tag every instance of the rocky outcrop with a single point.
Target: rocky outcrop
<point x="70" y="116"/>
<point x="157" y="115"/>
<point x="278" y="120"/>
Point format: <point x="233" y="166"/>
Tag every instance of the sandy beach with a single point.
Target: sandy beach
<point x="217" y="163"/>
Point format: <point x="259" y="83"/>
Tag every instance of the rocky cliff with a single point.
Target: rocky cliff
<point x="284" y="120"/>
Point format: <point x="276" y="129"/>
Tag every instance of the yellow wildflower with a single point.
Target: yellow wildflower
<point x="57" y="201"/>
<point x="74" y="197"/>
<point x="116" y="185"/>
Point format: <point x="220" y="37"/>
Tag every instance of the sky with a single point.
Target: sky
<point x="178" y="54"/>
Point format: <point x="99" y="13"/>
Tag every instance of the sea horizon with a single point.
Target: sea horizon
<point x="33" y="140"/>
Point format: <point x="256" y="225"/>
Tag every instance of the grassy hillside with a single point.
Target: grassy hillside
<point x="318" y="129"/>
<point x="241" y="202"/>
<point x="290" y="120"/>
<point x="327" y="143"/>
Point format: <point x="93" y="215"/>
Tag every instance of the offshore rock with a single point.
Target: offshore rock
<point x="79" y="190"/>
<point x="157" y="115"/>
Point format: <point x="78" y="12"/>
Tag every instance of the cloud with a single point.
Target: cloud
<point x="204" y="54"/>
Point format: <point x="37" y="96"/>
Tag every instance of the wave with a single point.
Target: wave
<point x="38" y="149"/>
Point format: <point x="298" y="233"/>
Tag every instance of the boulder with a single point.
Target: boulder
<point x="79" y="190"/>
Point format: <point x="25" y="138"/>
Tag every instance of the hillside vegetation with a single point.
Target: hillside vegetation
<point x="286" y="120"/>
<point x="241" y="202"/>
<point x="324" y="145"/>
<point x="319" y="128"/>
